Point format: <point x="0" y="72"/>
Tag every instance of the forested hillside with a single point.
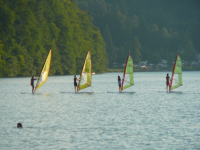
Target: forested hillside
<point x="30" y="28"/>
<point x="151" y="29"/>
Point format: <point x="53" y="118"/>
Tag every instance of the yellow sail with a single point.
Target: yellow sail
<point x="86" y="73"/>
<point x="45" y="72"/>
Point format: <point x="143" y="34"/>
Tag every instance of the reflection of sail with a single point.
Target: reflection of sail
<point x="176" y="79"/>
<point x="128" y="73"/>
<point x="45" y="72"/>
<point x="86" y="73"/>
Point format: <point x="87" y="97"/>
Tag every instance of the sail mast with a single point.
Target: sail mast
<point x="124" y="72"/>
<point x="173" y="71"/>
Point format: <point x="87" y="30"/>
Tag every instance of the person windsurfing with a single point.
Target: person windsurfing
<point x="32" y="83"/>
<point x="75" y="83"/>
<point x="119" y="83"/>
<point x="167" y="82"/>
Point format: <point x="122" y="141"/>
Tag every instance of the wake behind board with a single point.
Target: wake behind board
<point x="46" y="94"/>
<point x="121" y="92"/>
<point x="170" y="92"/>
<point x="78" y="92"/>
<point x="26" y="93"/>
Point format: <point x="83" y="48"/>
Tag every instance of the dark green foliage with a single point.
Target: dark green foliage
<point x="154" y="59"/>
<point x="30" y="28"/>
<point x="135" y="47"/>
<point x="189" y="53"/>
<point x="162" y="27"/>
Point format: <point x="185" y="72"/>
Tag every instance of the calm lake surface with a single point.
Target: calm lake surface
<point x="146" y="119"/>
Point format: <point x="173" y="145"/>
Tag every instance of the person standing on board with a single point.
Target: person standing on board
<point x="167" y="82"/>
<point x="32" y="83"/>
<point x="75" y="83"/>
<point x="119" y="83"/>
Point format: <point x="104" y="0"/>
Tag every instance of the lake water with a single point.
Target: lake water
<point x="146" y="119"/>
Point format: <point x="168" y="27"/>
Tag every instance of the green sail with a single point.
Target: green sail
<point x="86" y="73"/>
<point x="128" y="74"/>
<point x="176" y="80"/>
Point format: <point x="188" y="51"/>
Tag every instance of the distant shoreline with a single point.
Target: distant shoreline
<point x="110" y="70"/>
<point x="151" y="70"/>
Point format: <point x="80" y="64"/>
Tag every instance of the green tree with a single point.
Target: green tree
<point x="2" y="61"/>
<point x="135" y="48"/>
<point x="154" y="59"/>
<point x="111" y="49"/>
<point x="189" y="53"/>
<point x="29" y="29"/>
<point x="158" y="30"/>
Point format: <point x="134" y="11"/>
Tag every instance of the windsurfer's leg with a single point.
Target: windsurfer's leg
<point x="167" y="86"/>
<point x="75" y="86"/>
<point x="32" y="88"/>
<point x="76" y="89"/>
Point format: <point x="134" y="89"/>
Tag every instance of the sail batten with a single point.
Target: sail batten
<point x="128" y="73"/>
<point x="44" y="72"/>
<point x="176" y="80"/>
<point x="86" y="73"/>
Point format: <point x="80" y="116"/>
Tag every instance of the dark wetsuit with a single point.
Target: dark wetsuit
<point x="32" y="81"/>
<point x="167" y="82"/>
<point x="75" y="83"/>
<point x="119" y="82"/>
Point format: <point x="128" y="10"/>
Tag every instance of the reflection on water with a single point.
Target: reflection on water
<point x="44" y="94"/>
<point x="145" y="119"/>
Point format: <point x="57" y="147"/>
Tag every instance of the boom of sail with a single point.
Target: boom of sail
<point x="86" y="73"/>
<point x="44" y="72"/>
<point x="176" y="80"/>
<point x="128" y="73"/>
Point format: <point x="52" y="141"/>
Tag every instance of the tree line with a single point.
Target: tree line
<point x="30" y="28"/>
<point x="150" y="30"/>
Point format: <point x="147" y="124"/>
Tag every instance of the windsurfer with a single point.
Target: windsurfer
<point x="119" y="83"/>
<point x="32" y="83"/>
<point x="167" y="82"/>
<point x="75" y="83"/>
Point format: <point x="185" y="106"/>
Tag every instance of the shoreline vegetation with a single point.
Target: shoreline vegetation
<point x="29" y="29"/>
<point x="109" y="28"/>
<point x="110" y="70"/>
<point x="153" y="70"/>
